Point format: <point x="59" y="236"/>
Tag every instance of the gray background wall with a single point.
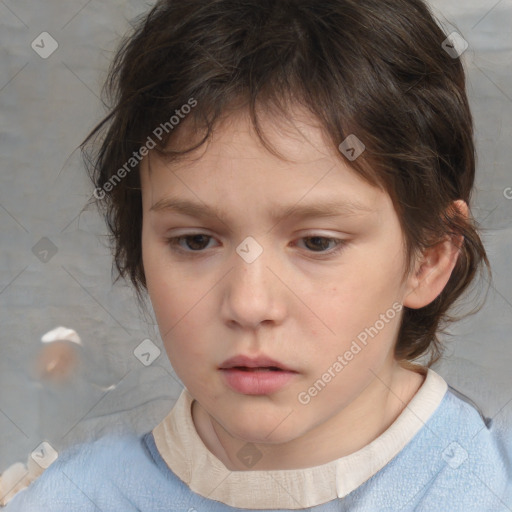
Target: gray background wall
<point x="47" y="106"/>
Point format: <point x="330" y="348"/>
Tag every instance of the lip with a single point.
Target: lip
<point x="256" y="382"/>
<point x="259" y="380"/>
<point x="261" y="361"/>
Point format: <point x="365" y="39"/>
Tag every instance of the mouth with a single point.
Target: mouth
<point x="257" y="380"/>
<point x="260" y="363"/>
<point x="255" y="369"/>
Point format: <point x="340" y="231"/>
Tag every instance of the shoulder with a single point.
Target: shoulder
<point x="471" y="457"/>
<point x="88" y="476"/>
<point x="460" y="418"/>
<point x="459" y="460"/>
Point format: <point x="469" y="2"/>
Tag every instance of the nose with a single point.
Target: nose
<point x="254" y="292"/>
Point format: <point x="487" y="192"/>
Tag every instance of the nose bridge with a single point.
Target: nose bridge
<point x="251" y="270"/>
<point x="253" y="294"/>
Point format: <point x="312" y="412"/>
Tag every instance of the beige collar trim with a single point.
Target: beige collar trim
<point x="190" y="460"/>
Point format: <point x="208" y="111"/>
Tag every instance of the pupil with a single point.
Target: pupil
<point x="325" y="244"/>
<point x="194" y="239"/>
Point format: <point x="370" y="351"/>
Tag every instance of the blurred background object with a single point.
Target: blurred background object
<point x="58" y="357"/>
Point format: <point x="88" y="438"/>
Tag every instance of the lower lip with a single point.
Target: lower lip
<point x="257" y="382"/>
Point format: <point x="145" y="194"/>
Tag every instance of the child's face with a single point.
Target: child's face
<point x="299" y="302"/>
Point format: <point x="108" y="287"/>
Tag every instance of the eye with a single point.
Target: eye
<point x="322" y="243"/>
<point x="197" y="242"/>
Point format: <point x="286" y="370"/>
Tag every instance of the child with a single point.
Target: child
<point x="323" y="153"/>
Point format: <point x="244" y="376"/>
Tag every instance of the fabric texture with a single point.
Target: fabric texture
<point x="457" y="460"/>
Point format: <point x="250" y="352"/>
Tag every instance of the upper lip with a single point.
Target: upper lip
<point x="261" y="361"/>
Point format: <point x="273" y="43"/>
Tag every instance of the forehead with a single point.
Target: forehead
<point x="297" y="138"/>
<point x="235" y="168"/>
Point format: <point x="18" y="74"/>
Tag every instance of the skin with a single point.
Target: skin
<point x="298" y="302"/>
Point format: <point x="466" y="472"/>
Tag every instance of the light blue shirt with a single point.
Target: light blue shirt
<point x="459" y="461"/>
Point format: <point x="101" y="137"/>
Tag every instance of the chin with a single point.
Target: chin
<point x="263" y="430"/>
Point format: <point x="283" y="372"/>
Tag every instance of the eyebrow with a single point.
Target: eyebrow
<point x="315" y="210"/>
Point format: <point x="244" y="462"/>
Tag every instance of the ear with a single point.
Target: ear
<point x="433" y="268"/>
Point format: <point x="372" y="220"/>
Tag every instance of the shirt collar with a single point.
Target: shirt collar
<point x="186" y="455"/>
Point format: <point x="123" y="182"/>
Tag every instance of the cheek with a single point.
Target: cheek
<point x="358" y="298"/>
<point x="351" y="314"/>
<point x="168" y="298"/>
<point x="168" y="290"/>
<point x="181" y="316"/>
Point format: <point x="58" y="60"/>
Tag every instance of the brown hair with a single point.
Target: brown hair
<point x="373" y="68"/>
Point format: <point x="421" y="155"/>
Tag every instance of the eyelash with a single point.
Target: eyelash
<point x="174" y="241"/>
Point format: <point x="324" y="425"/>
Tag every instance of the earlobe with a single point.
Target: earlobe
<point x="434" y="268"/>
